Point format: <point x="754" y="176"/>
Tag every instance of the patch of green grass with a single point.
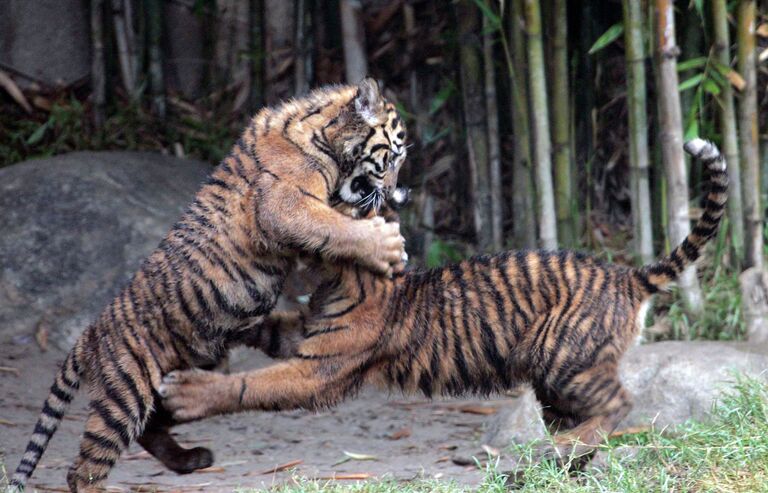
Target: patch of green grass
<point x="721" y="317"/>
<point x="728" y="453"/>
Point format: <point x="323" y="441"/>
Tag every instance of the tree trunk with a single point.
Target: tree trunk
<point x="672" y="146"/>
<point x="753" y="217"/>
<point x="727" y="118"/>
<point x="353" y="31"/>
<point x="98" y="79"/>
<point x="638" y="131"/>
<point x="540" y="125"/>
<point x="155" y="28"/>
<point x="471" y="72"/>
<point x="494" y="146"/>
<point x="561" y="121"/>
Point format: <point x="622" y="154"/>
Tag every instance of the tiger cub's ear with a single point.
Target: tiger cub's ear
<point x="369" y="103"/>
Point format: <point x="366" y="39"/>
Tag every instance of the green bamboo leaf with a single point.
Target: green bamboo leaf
<point x="692" y="63"/>
<point x="489" y="13"/>
<point x="692" y="130"/>
<point x="691" y="83"/>
<point x="718" y="78"/>
<point x="38" y="134"/>
<point x="439" y="100"/>
<point x="699" y="6"/>
<point x="608" y="37"/>
<point x="711" y="87"/>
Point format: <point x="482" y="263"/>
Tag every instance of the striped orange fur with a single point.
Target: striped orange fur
<point x="217" y="274"/>
<point x="559" y="320"/>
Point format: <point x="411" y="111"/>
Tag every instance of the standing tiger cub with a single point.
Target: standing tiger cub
<point x="558" y="320"/>
<point x="219" y="271"/>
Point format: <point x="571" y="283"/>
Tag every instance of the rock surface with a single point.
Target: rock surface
<point x="670" y="382"/>
<point x="518" y="422"/>
<point x="75" y="228"/>
<point x="675" y="381"/>
<point x="46" y="40"/>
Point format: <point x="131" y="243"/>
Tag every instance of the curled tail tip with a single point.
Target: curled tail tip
<point x="704" y="150"/>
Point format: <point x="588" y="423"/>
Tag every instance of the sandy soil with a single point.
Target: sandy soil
<point x="410" y="438"/>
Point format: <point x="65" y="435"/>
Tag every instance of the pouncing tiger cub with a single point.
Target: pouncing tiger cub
<point x="219" y="271"/>
<point x="559" y="320"/>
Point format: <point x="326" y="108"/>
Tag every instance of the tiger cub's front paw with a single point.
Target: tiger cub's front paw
<point x="383" y="244"/>
<point x="192" y="394"/>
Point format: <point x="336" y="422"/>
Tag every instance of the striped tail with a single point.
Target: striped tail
<point x="62" y="391"/>
<point x="657" y="275"/>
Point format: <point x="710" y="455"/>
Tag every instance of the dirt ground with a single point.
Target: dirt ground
<point x="410" y="438"/>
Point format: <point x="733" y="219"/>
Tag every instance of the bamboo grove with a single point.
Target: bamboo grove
<point x="533" y="123"/>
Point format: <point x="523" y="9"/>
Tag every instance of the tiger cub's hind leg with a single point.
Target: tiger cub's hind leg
<point x="104" y="439"/>
<point x="157" y="440"/>
<point x="597" y="402"/>
<point x="114" y="420"/>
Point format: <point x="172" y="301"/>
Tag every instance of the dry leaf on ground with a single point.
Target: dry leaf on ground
<point x="281" y="467"/>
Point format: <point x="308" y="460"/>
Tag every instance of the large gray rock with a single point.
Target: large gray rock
<point x="519" y="422"/>
<point x="76" y="227"/>
<point x="46" y="40"/>
<point x="670" y="382"/>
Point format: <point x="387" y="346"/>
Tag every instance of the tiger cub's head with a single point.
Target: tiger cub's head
<point x="371" y="144"/>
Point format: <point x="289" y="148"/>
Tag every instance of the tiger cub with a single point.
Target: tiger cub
<point x="559" y="320"/>
<point x="219" y="271"/>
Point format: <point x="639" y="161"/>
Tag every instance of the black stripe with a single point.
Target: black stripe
<point x="103" y="461"/>
<point x="243" y="387"/>
<point x="650" y="288"/>
<point x="218" y="183"/>
<point x="51" y="412"/>
<point x="304" y="192"/>
<point x="325" y="330"/>
<point x="662" y="268"/>
<point x="42" y="430"/>
<point x="102" y="441"/>
<point x="318" y="356"/>
<point x="111" y="422"/>
<point x="691" y="251"/>
<point x="704" y="231"/>
<point x="60" y="394"/>
<point x="712" y="205"/>
<point x="522" y="265"/>
<point x="677" y="260"/>
<point x="33" y="447"/>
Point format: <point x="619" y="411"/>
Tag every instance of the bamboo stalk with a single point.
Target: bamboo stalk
<point x="302" y="58"/>
<point x="125" y="47"/>
<point x="753" y="216"/>
<point x="524" y="225"/>
<point x="727" y="119"/>
<point x="471" y="73"/>
<point x="494" y="146"/>
<point x="561" y="122"/>
<point x="540" y="125"/>
<point x="353" y="32"/>
<point x="671" y="137"/>
<point x="156" y="84"/>
<point x="98" y="79"/>
<point x="256" y="48"/>
<point x="638" y="131"/>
